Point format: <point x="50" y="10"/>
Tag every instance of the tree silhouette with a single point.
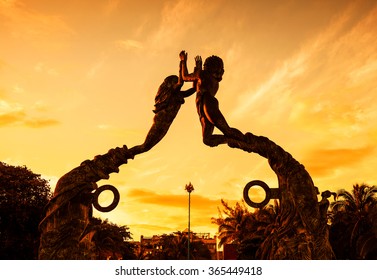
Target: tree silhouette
<point x="23" y="196"/>
<point x="247" y="230"/>
<point x="353" y="231"/>
<point x="174" y="247"/>
<point x="111" y="240"/>
<point x="235" y="226"/>
<point x="263" y="223"/>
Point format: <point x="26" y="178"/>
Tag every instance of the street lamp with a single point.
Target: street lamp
<point x="189" y="188"/>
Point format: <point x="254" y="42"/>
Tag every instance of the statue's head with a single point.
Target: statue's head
<point x="170" y="81"/>
<point x="215" y="66"/>
<point x="167" y="86"/>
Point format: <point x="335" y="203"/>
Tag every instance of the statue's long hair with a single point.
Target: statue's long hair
<point x="164" y="92"/>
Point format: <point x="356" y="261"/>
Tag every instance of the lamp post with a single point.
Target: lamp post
<point x="189" y="188"/>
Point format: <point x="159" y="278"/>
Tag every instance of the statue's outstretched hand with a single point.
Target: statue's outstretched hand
<point x="198" y="62"/>
<point x="183" y="56"/>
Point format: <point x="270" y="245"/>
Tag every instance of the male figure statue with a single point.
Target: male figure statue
<point x="207" y="83"/>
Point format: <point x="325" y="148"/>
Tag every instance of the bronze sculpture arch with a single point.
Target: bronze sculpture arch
<point x="271" y="193"/>
<point x="112" y="205"/>
<point x="300" y="231"/>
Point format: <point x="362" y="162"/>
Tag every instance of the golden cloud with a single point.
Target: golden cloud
<point x="173" y="200"/>
<point x="129" y="44"/>
<point x="15" y="114"/>
<point x="26" y="23"/>
<point x="325" y="161"/>
<point x="41" y="122"/>
<point x="11" y="118"/>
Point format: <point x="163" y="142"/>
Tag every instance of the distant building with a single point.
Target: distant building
<point x="210" y="243"/>
<point x="148" y="245"/>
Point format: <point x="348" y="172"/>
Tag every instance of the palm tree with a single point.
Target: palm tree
<point x="247" y="230"/>
<point x="263" y="223"/>
<point x="352" y="219"/>
<point x="234" y="227"/>
<point x="189" y="188"/>
<point x="112" y="241"/>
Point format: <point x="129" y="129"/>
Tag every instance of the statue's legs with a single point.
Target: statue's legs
<point x="161" y="124"/>
<point x="209" y="138"/>
<point x="214" y="118"/>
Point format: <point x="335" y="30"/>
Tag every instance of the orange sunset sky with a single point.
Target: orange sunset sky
<point x="79" y="77"/>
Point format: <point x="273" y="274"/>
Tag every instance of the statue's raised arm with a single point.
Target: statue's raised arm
<point x="192" y="77"/>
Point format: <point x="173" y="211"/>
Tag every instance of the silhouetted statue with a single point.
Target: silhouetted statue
<point x="168" y="101"/>
<point x="207" y="82"/>
<point x="299" y="232"/>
